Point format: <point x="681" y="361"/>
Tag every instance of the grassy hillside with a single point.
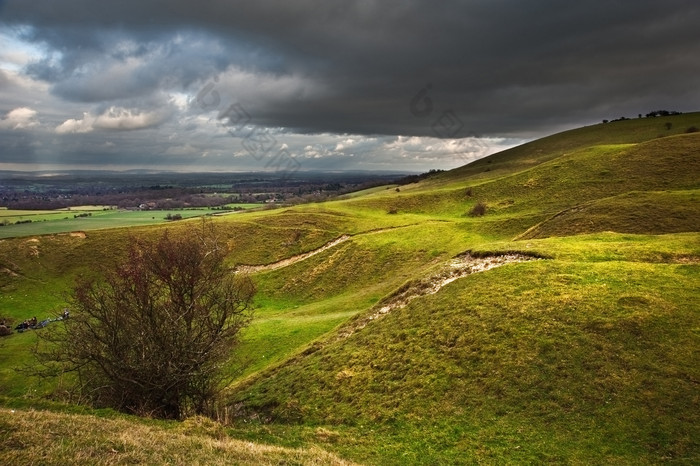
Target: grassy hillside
<point x="586" y="356"/>
<point x="585" y="359"/>
<point x="551" y="147"/>
<point x="655" y="212"/>
<point x="582" y="175"/>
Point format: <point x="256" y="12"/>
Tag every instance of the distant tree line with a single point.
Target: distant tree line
<point x="4" y="223"/>
<point x="652" y="114"/>
<point x="656" y="113"/>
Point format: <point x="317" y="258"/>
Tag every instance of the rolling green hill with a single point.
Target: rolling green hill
<point x="412" y="336"/>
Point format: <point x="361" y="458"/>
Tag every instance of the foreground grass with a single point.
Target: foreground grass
<point x="43" y="437"/>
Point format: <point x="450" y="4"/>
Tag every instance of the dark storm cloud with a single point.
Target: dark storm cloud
<point x="122" y="65"/>
<point x="502" y="67"/>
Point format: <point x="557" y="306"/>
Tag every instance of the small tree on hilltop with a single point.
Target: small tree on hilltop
<point x="151" y="337"/>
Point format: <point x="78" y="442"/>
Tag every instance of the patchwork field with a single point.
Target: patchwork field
<point x="21" y="223"/>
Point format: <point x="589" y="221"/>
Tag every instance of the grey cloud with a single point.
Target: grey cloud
<point x="496" y="68"/>
<point x="125" y="68"/>
<point x="5" y="81"/>
<point x="484" y="59"/>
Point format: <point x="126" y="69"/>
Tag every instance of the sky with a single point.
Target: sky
<point x="404" y="86"/>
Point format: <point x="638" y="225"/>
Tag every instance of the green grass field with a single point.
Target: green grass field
<point x="44" y="222"/>
<point x="587" y="356"/>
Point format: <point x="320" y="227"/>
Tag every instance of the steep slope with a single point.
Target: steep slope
<point x="525" y="156"/>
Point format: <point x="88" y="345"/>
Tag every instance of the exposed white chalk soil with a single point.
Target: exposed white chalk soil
<point x="458" y="267"/>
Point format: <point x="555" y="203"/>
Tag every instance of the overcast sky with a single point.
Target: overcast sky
<point x="330" y="84"/>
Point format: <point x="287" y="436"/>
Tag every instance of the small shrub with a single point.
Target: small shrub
<point x="469" y="192"/>
<point x="156" y="330"/>
<point x="478" y="210"/>
<point x="393" y="211"/>
<point x="692" y="129"/>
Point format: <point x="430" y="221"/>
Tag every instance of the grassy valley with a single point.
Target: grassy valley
<point x="588" y="354"/>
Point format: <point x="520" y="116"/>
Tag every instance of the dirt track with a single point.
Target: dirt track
<point x="291" y="260"/>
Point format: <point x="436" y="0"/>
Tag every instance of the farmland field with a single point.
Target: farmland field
<point x="43" y="222"/>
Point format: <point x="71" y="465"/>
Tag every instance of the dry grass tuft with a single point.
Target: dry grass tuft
<point x="41" y="437"/>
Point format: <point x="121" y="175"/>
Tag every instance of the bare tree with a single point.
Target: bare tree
<point x="151" y="336"/>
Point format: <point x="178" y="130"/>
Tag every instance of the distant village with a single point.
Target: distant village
<point x="22" y="192"/>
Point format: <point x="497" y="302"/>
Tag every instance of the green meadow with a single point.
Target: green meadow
<point x="43" y="222"/>
<point x="587" y="355"/>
